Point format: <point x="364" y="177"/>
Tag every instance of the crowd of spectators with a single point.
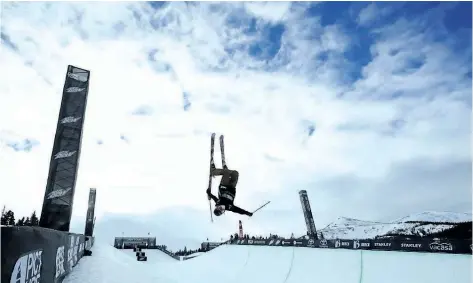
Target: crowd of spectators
<point x="187" y="252"/>
<point x="253" y="237"/>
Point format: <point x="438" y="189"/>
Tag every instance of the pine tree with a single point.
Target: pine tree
<point x="34" y="219"/>
<point x="21" y="222"/>
<point x="10" y="215"/>
<point x="4" y="220"/>
<point x="27" y="222"/>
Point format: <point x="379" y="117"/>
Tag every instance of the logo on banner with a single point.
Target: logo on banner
<point x="250" y="242"/>
<point x="323" y="243"/>
<point x="384" y="245"/>
<point x="72" y="251"/>
<point x="411" y="245"/>
<point x="64" y="154"/>
<point x="357" y="245"/>
<point x="77" y="77"/>
<point x="275" y="242"/>
<point x="28" y="268"/>
<point x="311" y="243"/>
<point x="295" y="243"/>
<point x="338" y="244"/>
<point x="259" y="242"/>
<point x="75" y="89"/>
<point x="69" y="119"/>
<point x="436" y="246"/>
<point x="60" y="270"/>
<point x="58" y="193"/>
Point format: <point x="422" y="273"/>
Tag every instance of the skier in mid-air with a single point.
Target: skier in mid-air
<point x="226" y="191"/>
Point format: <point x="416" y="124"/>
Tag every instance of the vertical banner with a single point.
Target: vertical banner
<point x="240" y="229"/>
<point x="309" y="219"/>
<point x="89" y="222"/>
<point x="60" y="187"/>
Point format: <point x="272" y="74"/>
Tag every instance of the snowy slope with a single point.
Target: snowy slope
<point x="253" y="264"/>
<point x="349" y="228"/>
<point x="435" y="216"/>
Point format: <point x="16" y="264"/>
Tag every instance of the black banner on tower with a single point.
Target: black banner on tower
<point x="89" y="222"/>
<point x="309" y="219"/>
<point x="60" y="187"/>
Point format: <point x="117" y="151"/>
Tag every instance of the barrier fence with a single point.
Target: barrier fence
<point x="36" y="254"/>
<point x="420" y="245"/>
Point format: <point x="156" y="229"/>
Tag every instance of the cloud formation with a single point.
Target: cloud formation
<point x="369" y="112"/>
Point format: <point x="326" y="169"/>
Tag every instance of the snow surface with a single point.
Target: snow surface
<point x="248" y="264"/>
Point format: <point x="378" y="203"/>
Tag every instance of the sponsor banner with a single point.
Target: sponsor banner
<point x="361" y="244"/>
<point x="306" y="210"/>
<point x="384" y="245"/>
<point x="343" y="244"/>
<point x="325" y="244"/>
<point x="257" y="242"/>
<point x="89" y="222"/>
<point x="60" y="187"/>
<point x="36" y="254"/>
<point x="441" y="246"/>
<point x="420" y="245"/>
<point x="413" y="245"/>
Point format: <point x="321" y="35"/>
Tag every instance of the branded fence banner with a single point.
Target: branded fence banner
<point x="36" y="254"/>
<point x="309" y="218"/>
<point x="60" y="187"/>
<point x="89" y="222"/>
<point x="417" y="245"/>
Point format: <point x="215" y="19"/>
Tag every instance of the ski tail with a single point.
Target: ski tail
<point x="212" y="165"/>
<point x="261" y="206"/>
<point x="222" y="152"/>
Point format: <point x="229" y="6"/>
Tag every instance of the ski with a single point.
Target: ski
<point x="222" y="151"/>
<point x="261" y="206"/>
<point x="212" y="166"/>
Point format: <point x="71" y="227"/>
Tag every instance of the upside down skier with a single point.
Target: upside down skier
<point x="226" y="192"/>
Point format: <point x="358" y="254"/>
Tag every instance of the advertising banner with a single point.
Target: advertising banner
<point x="307" y="211"/>
<point x="36" y="254"/>
<point x="417" y="245"/>
<point x="60" y="187"/>
<point x="89" y="222"/>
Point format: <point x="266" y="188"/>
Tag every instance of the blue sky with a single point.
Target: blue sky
<point x="365" y="105"/>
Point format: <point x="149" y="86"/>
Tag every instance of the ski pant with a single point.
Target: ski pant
<point x="229" y="177"/>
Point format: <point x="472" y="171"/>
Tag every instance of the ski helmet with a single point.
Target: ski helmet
<point x="219" y="210"/>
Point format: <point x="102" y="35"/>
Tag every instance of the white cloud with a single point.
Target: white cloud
<point x="262" y="110"/>
<point x="370" y="14"/>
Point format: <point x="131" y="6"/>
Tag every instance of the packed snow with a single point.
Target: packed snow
<point x="248" y="264"/>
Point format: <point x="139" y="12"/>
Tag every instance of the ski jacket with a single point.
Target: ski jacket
<point x="228" y="205"/>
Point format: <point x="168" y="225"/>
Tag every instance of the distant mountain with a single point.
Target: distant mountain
<point x="419" y="224"/>
<point x="438" y="217"/>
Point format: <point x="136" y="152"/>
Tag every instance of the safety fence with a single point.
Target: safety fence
<point x="405" y="245"/>
<point x="36" y="254"/>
